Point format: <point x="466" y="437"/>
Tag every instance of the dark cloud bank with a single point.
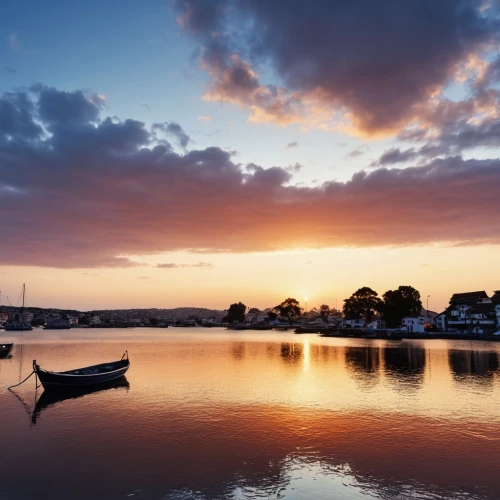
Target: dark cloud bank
<point x="377" y="63"/>
<point x="78" y="189"/>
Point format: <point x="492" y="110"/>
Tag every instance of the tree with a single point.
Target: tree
<point x="271" y="315"/>
<point x="405" y="301"/>
<point x="236" y="312"/>
<point x="363" y="303"/>
<point x="324" y="312"/>
<point x="289" y="309"/>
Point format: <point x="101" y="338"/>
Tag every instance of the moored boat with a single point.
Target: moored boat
<point x="5" y="350"/>
<point x="89" y="375"/>
<point x="19" y="323"/>
<point x="17" y="327"/>
<point x="57" y="323"/>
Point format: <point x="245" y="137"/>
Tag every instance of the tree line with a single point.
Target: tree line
<point x="362" y="304"/>
<point x="392" y="307"/>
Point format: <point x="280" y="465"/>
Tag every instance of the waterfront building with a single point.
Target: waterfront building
<point x="57" y="322"/>
<point x="472" y="312"/>
<point x="95" y="320"/>
<point x="353" y="323"/>
<point x="416" y="324"/>
<point x="377" y="324"/>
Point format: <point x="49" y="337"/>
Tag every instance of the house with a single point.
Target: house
<point x="377" y="324"/>
<point x="73" y="320"/>
<point x="353" y="323"/>
<point x="416" y="324"/>
<point x="472" y="312"/>
<point x="95" y="320"/>
<point x="495" y="300"/>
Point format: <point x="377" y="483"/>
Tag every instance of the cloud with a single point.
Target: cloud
<point x="10" y="69"/>
<point x="14" y="42"/>
<point x="368" y="67"/>
<point x="205" y="265"/>
<point x="291" y="145"/>
<point x="450" y="129"/>
<point x="395" y="155"/>
<point x="81" y="190"/>
<point x="175" y="130"/>
<point x="59" y="108"/>
<point x="204" y="118"/>
<point x="357" y="152"/>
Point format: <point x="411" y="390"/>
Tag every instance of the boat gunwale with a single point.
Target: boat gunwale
<point x="65" y="374"/>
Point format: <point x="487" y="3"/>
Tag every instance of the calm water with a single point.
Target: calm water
<point x="210" y="414"/>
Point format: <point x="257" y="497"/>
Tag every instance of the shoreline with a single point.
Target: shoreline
<point x="409" y="336"/>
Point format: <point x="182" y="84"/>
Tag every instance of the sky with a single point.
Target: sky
<point x="204" y="152"/>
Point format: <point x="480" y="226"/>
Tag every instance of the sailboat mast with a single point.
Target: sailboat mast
<point x="24" y="291"/>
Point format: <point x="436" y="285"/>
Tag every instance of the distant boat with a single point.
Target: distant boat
<point x="81" y="377"/>
<point x="57" y="323"/>
<point x="5" y="350"/>
<point x="19" y="324"/>
<point x="17" y="327"/>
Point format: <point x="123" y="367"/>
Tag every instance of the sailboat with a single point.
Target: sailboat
<point x="19" y="324"/>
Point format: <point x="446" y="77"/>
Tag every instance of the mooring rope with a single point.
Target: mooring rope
<point x="22" y="381"/>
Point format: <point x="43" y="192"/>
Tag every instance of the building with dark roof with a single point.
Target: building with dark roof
<point x="471" y="312"/>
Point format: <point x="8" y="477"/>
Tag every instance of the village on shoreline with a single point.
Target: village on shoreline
<point x="398" y="314"/>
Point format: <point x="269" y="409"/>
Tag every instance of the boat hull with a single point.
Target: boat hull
<point x="5" y="350"/>
<point x="17" y="328"/>
<point x="83" y="377"/>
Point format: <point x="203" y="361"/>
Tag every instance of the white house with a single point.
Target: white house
<point x="377" y="324"/>
<point x="416" y="324"/>
<point x="95" y="320"/>
<point x="472" y="312"/>
<point x="353" y="323"/>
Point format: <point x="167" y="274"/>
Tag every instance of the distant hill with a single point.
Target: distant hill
<point x="176" y="313"/>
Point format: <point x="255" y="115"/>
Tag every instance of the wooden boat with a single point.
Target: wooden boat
<point x="5" y="350"/>
<point x="89" y="375"/>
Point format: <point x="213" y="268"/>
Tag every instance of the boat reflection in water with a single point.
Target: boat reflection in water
<point x="53" y="397"/>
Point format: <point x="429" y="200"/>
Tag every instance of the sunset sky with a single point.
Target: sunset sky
<point x="202" y="152"/>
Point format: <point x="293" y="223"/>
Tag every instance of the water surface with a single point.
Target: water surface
<point x="211" y="414"/>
